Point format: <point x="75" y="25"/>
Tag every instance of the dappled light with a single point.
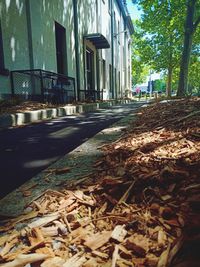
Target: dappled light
<point x="133" y="201"/>
<point x="39" y="162"/>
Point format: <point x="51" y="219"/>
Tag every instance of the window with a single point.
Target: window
<point x="3" y="71"/>
<point x="104" y="74"/>
<point x="115" y="25"/>
<point x="119" y="84"/>
<point x="90" y="69"/>
<point x="118" y="31"/>
<point x="115" y="80"/>
<point x="110" y="77"/>
<point x="61" y="53"/>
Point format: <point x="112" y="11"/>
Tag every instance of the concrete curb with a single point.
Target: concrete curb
<point x="17" y="119"/>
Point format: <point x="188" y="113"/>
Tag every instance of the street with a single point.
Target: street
<point x="26" y="151"/>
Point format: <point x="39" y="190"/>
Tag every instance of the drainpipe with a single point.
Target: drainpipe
<point x="30" y="47"/>
<point x="76" y="48"/>
<point x="112" y="50"/>
<point x="29" y="30"/>
<point x="97" y="57"/>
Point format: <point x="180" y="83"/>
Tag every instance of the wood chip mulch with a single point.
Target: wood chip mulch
<point x="138" y="209"/>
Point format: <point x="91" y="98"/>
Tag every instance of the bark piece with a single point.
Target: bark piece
<point x="8" y="246"/>
<point x="126" y="194"/>
<point x="55" y="262"/>
<point x="124" y="253"/>
<point x="76" y="261"/>
<point x="49" y="231"/>
<point x="35" y="237"/>
<point x="115" y="256"/>
<point x="119" y="233"/>
<point x="164" y="258"/>
<point x="22" y="260"/>
<point x="100" y="254"/>
<point x="91" y="263"/>
<point x="44" y="220"/>
<point x="161" y="238"/>
<point x="139" y="244"/>
<point x="97" y="240"/>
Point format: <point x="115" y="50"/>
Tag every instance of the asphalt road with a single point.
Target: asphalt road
<point x="26" y="151"/>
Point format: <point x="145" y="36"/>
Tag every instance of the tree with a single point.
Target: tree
<point x="191" y="23"/>
<point x="140" y="70"/>
<point x="161" y="35"/>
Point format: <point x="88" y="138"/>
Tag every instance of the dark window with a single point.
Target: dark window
<point x="118" y="32"/>
<point x="90" y="69"/>
<point x="115" y="80"/>
<point x="3" y="71"/>
<point x="61" y="54"/>
<point x="119" y="83"/>
<point x="104" y="73"/>
<point x="115" y="25"/>
<point x="110" y="77"/>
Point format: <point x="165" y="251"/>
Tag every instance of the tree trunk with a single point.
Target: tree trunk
<point x="187" y="47"/>
<point x="169" y="82"/>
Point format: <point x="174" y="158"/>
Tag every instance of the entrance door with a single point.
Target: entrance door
<point x="61" y="55"/>
<point x="90" y="69"/>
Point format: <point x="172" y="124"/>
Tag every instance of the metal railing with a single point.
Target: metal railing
<point x="91" y="95"/>
<point x="44" y="86"/>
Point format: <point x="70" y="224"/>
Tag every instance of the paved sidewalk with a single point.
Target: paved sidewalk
<point x="80" y="161"/>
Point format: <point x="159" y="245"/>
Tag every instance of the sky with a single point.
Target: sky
<point x="134" y="12"/>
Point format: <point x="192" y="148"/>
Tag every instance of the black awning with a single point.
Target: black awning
<point x="98" y="40"/>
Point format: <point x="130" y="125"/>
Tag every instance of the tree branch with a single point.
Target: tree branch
<point x="196" y="23"/>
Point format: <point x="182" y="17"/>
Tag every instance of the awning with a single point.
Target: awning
<point x="98" y="40"/>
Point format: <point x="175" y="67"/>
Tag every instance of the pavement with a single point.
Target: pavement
<point x="80" y="160"/>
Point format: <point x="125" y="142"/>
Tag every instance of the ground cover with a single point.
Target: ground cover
<point x="15" y="105"/>
<point x="140" y="208"/>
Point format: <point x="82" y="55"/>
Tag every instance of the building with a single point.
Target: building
<point x="82" y="48"/>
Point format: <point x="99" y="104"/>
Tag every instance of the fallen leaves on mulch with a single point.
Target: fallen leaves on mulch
<point x="24" y="107"/>
<point x="138" y="209"/>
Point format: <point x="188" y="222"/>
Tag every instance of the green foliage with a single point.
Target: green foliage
<point x="194" y="75"/>
<point x="159" y="85"/>
<point x="160" y="35"/>
<point x="140" y="70"/>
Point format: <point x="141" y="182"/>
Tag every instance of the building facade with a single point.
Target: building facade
<point x="88" y="43"/>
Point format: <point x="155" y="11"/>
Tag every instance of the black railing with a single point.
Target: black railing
<point x="41" y="85"/>
<point x="91" y="95"/>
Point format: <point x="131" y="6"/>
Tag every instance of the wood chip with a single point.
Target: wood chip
<point x="22" y="260"/>
<point x="97" y="240"/>
<point x="119" y="233"/>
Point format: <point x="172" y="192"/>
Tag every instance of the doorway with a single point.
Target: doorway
<point x="90" y="69"/>
<point x="61" y="54"/>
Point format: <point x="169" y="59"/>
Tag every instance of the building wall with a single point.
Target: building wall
<point x="86" y="25"/>
<point x="28" y="30"/>
<point x="15" y="39"/>
<point x="43" y="17"/>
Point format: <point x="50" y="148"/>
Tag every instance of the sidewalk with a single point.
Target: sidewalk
<point x="18" y="119"/>
<point x="79" y="162"/>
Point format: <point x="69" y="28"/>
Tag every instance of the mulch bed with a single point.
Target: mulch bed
<point x="10" y="108"/>
<point x="140" y="207"/>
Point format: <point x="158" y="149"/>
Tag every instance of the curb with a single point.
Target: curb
<point x="17" y="119"/>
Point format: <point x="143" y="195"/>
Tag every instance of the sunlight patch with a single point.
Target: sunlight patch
<point x="39" y="163"/>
